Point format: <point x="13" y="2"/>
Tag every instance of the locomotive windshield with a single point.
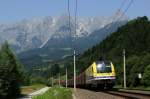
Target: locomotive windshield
<point x="103" y="67"/>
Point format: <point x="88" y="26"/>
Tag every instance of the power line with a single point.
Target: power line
<point x="128" y="6"/>
<point x="76" y="16"/>
<point x="118" y="10"/>
<point x="122" y="4"/>
<point x="118" y="17"/>
<point x="75" y="25"/>
<point x="69" y="16"/>
<point x="130" y="3"/>
<point x="69" y="23"/>
<point x="114" y="18"/>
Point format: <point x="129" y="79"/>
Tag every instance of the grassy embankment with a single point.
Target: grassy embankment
<point x="56" y="93"/>
<point x="32" y="88"/>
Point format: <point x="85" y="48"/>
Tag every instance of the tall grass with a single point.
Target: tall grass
<point x="56" y="93"/>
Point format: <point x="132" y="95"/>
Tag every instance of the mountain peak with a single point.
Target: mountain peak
<point x="35" y="33"/>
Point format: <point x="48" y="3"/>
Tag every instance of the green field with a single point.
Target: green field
<point x="56" y="93"/>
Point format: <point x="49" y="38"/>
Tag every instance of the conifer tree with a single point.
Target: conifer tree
<point x="10" y="73"/>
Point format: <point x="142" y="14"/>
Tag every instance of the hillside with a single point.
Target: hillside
<point x="134" y="37"/>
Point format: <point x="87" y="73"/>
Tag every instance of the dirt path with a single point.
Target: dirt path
<point x="88" y="94"/>
<point x="29" y="96"/>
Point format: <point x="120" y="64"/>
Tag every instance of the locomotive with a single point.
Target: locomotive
<point x="100" y="74"/>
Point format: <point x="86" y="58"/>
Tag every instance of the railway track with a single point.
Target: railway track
<point x="129" y="94"/>
<point x="111" y="94"/>
<point x="91" y="94"/>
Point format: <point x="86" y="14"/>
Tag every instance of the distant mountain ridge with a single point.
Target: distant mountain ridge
<point x="34" y="33"/>
<point x="59" y="48"/>
<point x="46" y="39"/>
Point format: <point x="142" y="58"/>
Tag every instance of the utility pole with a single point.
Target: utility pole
<point x="52" y="81"/>
<point x="124" y="65"/>
<point x="66" y="77"/>
<point x="74" y="70"/>
<point x="59" y="79"/>
<point x="74" y="46"/>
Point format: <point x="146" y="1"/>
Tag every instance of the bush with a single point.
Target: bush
<point x="146" y="76"/>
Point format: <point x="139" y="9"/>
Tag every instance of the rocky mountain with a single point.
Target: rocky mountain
<point x="34" y="33"/>
<point x="49" y="37"/>
<point x="59" y="48"/>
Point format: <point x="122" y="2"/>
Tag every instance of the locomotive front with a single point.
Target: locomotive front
<point x="104" y="75"/>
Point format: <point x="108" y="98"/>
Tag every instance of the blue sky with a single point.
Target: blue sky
<point x="15" y="10"/>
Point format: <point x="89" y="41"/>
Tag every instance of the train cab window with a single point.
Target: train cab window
<point x="103" y="67"/>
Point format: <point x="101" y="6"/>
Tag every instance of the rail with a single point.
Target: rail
<point x="134" y="94"/>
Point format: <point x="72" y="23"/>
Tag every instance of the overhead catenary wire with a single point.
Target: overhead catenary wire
<point x="75" y="23"/>
<point x="75" y="26"/>
<point x="122" y="4"/>
<point x="124" y="49"/>
<point x="70" y="36"/>
<point x="126" y="9"/>
<point x="128" y="6"/>
<point x="117" y="17"/>
<point x="69" y="15"/>
<point x="119" y="9"/>
<point x="69" y="23"/>
<point x="114" y="19"/>
<point x="130" y="3"/>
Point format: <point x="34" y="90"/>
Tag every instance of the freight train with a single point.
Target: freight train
<point x="100" y="74"/>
